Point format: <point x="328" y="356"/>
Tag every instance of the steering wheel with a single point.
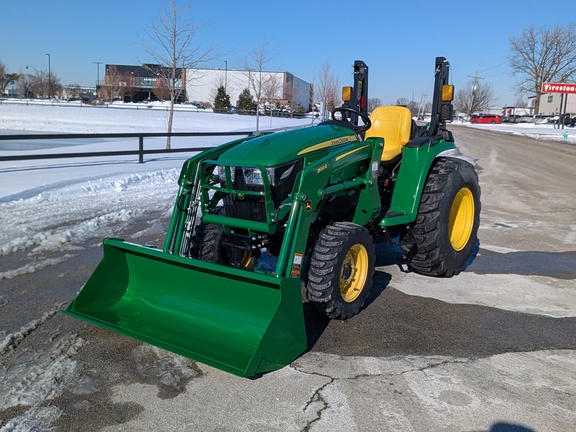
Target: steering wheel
<point x="356" y="128"/>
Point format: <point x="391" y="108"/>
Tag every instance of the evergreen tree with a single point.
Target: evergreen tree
<point x="222" y="101"/>
<point x="245" y="103"/>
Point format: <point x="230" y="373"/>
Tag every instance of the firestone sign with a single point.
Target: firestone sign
<point x="558" y="88"/>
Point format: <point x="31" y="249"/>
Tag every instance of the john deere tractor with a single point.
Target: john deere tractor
<point x="259" y="219"/>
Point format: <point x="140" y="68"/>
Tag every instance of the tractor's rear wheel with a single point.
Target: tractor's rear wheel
<point x="446" y="227"/>
<point x="207" y="246"/>
<point x="341" y="270"/>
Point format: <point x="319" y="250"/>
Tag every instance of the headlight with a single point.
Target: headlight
<point x="276" y="175"/>
<point x="253" y="176"/>
<point x="222" y="173"/>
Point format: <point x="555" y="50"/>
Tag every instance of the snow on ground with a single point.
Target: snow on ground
<point x="541" y="131"/>
<point x="76" y="118"/>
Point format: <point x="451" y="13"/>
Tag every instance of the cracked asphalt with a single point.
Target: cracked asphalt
<point x="493" y="349"/>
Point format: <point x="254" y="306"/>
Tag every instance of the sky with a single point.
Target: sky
<point x="399" y="41"/>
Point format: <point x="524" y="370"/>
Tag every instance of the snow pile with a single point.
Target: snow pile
<point x="12" y="340"/>
<point x="35" y="419"/>
<point x="540" y="131"/>
<point x="64" y="218"/>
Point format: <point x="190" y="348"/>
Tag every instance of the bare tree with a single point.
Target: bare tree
<point x="328" y="87"/>
<point x="114" y="83"/>
<point x="475" y="97"/>
<point x="132" y="87"/>
<point x="255" y="65"/>
<point x="38" y="84"/>
<point x="24" y="86"/>
<point x="403" y="101"/>
<point x="412" y="105"/>
<point x="272" y="89"/>
<point x="543" y="55"/>
<point x="161" y="90"/>
<point x="175" y="48"/>
<point x="55" y="85"/>
<point x="374" y="103"/>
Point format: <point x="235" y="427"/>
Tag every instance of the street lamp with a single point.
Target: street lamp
<point x="49" y="79"/>
<point x="97" y="76"/>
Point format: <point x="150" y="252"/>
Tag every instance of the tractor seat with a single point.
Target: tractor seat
<point x="394" y="124"/>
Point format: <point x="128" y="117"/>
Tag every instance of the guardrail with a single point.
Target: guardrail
<point x="140" y="152"/>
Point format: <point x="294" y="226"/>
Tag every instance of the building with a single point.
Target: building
<point x="550" y="103"/>
<point x="139" y="83"/>
<point x="281" y="87"/>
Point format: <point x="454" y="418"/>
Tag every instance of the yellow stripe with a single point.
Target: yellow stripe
<point x="349" y="153"/>
<point x="330" y="143"/>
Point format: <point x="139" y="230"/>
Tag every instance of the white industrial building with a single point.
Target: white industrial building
<point x="553" y="103"/>
<point x="283" y="87"/>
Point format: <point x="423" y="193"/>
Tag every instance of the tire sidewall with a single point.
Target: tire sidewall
<point x="335" y="306"/>
<point x="464" y="176"/>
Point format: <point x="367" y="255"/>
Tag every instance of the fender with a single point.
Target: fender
<point x="417" y="158"/>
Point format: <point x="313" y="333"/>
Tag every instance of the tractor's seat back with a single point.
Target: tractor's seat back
<point x="394" y="124"/>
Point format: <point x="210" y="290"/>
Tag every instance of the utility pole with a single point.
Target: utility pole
<point x="474" y="88"/>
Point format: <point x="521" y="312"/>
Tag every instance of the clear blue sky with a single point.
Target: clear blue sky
<point x="399" y="40"/>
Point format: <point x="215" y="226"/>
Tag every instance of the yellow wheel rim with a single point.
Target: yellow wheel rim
<point x="353" y="273"/>
<point x="461" y="219"/>
<point x="246" y="259"/>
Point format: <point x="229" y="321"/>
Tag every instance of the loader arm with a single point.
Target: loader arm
<point x="185" y="207"/>
<point x="351" y="170"/>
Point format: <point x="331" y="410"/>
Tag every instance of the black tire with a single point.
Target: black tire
<point x="207" y="246"/>
<point x="341" y="270"/>
<point x="446" y="228"/>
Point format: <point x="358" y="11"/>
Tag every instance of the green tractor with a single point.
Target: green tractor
<point x="259" y="220"/>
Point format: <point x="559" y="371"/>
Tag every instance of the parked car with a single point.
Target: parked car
<point x="566" y="119"/>
<point x="486" y="119"/>
<point x="540" y="118"/>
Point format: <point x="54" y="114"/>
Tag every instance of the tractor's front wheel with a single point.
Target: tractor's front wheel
<point x="448" y="218"/>
<point x="207" y="246"/>
<point x="341" y="270"/>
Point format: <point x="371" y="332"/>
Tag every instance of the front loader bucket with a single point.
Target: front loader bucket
<point x="239" y="321"/>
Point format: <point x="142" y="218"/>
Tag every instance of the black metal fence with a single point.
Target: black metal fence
<point x="90" y="136"/>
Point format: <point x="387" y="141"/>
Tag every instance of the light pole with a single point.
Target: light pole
<point x="49" y="78"/>
<point x="97" y="76"/>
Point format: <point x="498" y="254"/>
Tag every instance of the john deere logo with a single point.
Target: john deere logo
<point x="240" y="196"/>
<point x="308" y="205"/>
